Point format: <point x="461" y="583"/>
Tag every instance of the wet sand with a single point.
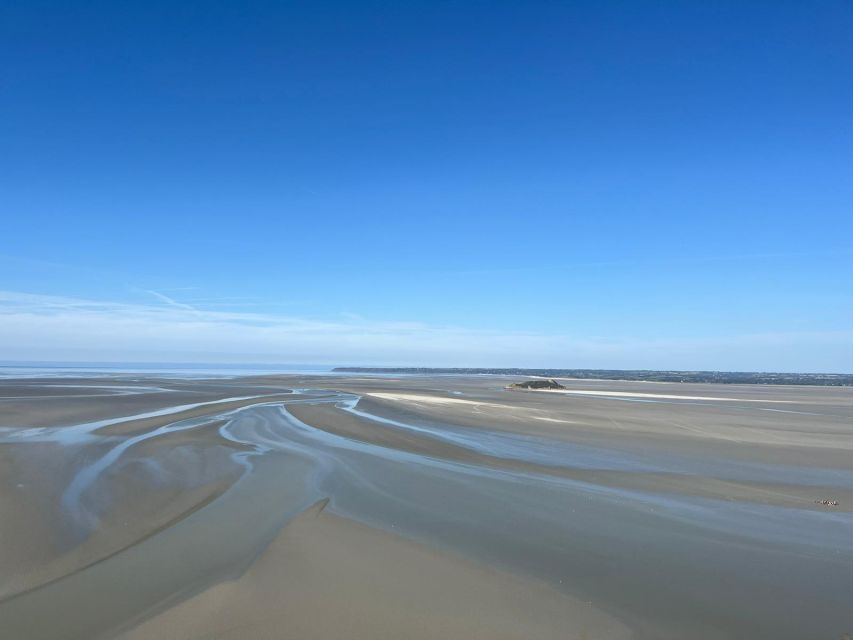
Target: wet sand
<point x="346" y="580"/>
<point x="423" y="506"/>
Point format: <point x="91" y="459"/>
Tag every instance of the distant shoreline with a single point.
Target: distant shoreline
<point x="719" y="377"/>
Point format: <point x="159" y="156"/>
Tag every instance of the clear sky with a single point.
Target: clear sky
<point x="567" y="184"/>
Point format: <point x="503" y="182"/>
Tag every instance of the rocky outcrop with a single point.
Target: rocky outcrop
<point x="537" y="384"/>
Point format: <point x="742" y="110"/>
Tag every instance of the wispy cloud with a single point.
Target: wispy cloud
<point x="42" y="327"/>
<point x="171" y="301"/>
<point x="44" y="323"/>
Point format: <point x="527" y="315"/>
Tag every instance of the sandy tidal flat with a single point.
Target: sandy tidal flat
<point x="423" y="507"/>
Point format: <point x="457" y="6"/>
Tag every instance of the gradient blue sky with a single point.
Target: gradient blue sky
<point x="598" y="184"/>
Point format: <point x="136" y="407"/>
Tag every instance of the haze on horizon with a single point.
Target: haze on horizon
<point x="611" y="185"/>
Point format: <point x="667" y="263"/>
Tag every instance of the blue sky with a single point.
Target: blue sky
<point x="600" y="184"/>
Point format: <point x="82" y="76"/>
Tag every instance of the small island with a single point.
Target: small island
<point x="536" y="384"/>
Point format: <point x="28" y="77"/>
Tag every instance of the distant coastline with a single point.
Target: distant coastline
<point x="720" y="377"/>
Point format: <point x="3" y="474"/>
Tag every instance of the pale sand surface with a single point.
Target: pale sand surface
<point x="634" y="394"/>
<point x="328" y="577"/>
<point x="168" y="508"/>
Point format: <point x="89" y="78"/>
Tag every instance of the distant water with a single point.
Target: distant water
<point x="11" y="369"/>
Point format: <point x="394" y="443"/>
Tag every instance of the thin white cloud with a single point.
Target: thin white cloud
<point x="42" y="327"/>
<point x="170" y="301"/>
